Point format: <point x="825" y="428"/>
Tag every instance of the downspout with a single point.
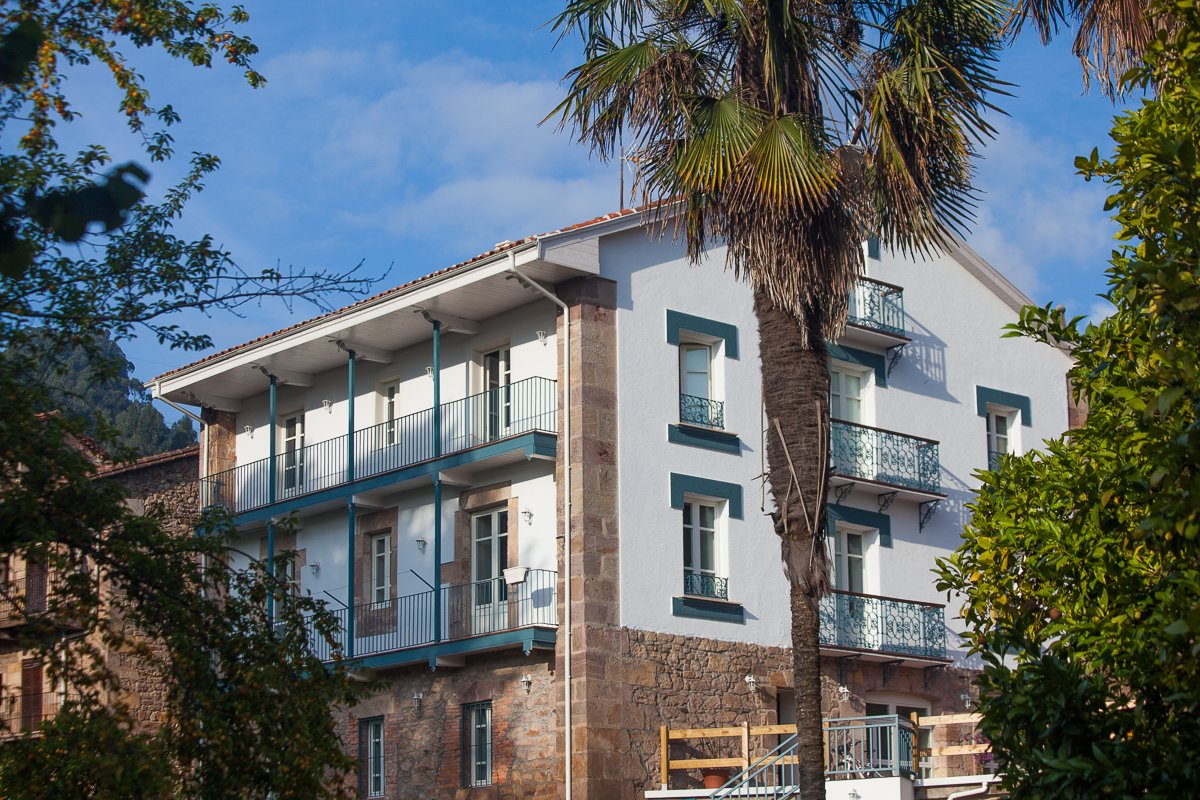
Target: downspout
<point x="271" y="494"/>
<point x="437" y="482"/>
<point x="566" y="423"/>
<point x="972" y="792"/>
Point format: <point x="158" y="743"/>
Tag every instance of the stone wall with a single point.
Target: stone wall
<point x="423" y="745"/>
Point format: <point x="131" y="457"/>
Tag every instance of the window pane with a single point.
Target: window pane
<point x="687" y="548"/>
<point x="708" y="516"/>
<point x="687" y="513"/>
<point x="696" y="359"/>
<point x="854" y="544"/>
<point x="854" y="567"/>
<point x="483" y="527"/>
<point x="707" y="547"/>
<point x="483" y="559"/>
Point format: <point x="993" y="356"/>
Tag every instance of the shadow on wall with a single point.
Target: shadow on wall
<point x="922" y="365"/>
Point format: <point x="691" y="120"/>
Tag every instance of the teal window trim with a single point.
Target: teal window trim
<point x="873" y="248"/>
<point x="705" y="487"/>
<point x="860" y="516"/>
<point x="695" y="436"/>
<point x="997" y="397"/>
<point x="713" y="610"/>
<point x="852" y="355"/>
<point x="678" y="321"/>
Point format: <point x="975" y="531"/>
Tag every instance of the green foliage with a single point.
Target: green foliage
<point x="1081" y="568"/>
<point x="85" y="262"/>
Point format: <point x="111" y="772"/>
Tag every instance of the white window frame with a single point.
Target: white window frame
<point x="1012" y="421"/>
<point x="497" y="589"/>
<point x="389" y="411"/>
<point x="842" y="369"/>
<point x="374" y="752"/>
<point x="693" y="503"/>
<point x="294" y="483"/>
<point x="381" y="579"/>
<point x="716" y="367"/>
<point x="478" y="737"/>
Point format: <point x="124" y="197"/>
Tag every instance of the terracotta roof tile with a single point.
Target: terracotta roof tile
<point x="502" y="247"/>
<point x="149" y="461"/>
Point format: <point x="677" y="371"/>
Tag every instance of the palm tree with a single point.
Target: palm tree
<point x="789" y="130"/>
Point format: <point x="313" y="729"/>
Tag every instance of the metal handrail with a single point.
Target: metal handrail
<point x="876" y="454"/>
<point x="700" y="585"/>
<point x="527" y="405"/>
<point x="467" y="609"/>
<point x="773" y="776"/>
<point x="877" y="305"/>
<point x="701" y="411"/>
<point x="881" y="624"/>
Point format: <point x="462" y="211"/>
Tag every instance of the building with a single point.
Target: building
<point x="29" y="695"/>
<point x="442" y="451"/>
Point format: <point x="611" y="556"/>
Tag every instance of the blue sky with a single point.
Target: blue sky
<point x="404" y="135"/>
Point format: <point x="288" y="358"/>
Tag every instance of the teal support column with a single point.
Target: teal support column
<point x="272" y="465"/>
<point x="348" y="647"/>
<point x="437" y="482"/>
<point x="271" y="570"/>
<point x="350" y="416"/>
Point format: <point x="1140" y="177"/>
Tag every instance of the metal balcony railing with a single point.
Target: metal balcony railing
<point x="701" y="411"/>
<point x="467" y="609"/>
<point x="521" y="407"/>
<point x="994" y="459"/>
<point x="883" y="624"/>
<point x="27" y="712"/>
<point x="699" y="585"/>
<point x="869" y="747"/>
<point x="28" y="594"/>
<point x="877" y="305"/>
<point x="860" y="451"/>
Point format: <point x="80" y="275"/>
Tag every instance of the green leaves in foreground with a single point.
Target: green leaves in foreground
<point x="1081" y="569"/>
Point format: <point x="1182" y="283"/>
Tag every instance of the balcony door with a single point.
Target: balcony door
<point x="853" y="450"/>
<point x="858" y="623"/>
<point x="292" y="453"/>
<point x="489" y="559"/>
<point x="497" y="375"/>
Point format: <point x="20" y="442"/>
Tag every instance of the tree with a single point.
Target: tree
<point x="86" y="260"/>
<point x="115" y="406"/>
<point x="1080" y="571"/>
<point x="789" y="132"/>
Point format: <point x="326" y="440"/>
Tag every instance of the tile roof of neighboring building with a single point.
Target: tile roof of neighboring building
<point x="502" y="247"/>
<point x="149" y="461"/>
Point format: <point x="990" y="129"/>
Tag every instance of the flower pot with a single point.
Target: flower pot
<point x="715" y="777"/>
<point x="515" y="575"/>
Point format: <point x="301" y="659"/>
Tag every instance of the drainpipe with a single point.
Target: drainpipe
<point x="437" y="481"/>
<point x="271" y="469"/>
<point x="348" y="645"/>
<point x="972" y="792"/>
<point x="566" y="423"/>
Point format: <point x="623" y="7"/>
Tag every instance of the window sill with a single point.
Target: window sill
<point x="708" y="608"/>
<point x="707" y="438"/>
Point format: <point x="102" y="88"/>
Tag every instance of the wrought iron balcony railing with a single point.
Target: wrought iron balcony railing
<point x="994" y="458"/>
<point x="883" y="624"/>
<point x="467" y="609"/>
<point x="701" y="411"/>
<point x="860" y="451"/>
<point x="878" y="305"/>
<point x="869" y="747"/>
<point x="26" y="712"/>
<point x="521" y="407"/>
<point x="699" y="585"/>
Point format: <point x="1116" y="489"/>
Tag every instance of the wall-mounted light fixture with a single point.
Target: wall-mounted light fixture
<point x="844" y="692"/>
<point x="541" y="337"/>
<point x="315" y="567"/>
<point x="328" y="406"/>
<point x="751" y="682"/>
<point x="416" y="699"/>
<point x="966" y="700"/>
<point x="249" y="429"/>
<point x="527" y="682"/>
<point x="527" y="515"/>
<point x="429" y="371"/>
<point x="421" y="543"/>
<point x="853" y="795"/>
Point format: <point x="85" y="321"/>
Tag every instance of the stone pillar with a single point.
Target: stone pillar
<point x="600" y="697"/>
<point x="220" y="439"/>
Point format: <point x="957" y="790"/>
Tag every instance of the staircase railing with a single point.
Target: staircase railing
<point x="773" y="776"/>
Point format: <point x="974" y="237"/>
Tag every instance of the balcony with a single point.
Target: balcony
<point x="484" y="615"/>
<point x="894" y="461"/>
<point x="876" y="315"/>
<point x="701" y="411"/>
<point x="29" y="597"/>
<point x="871" y="624"/>
<point x="26" y="713"/>
<point x="465" y="426"/>
<point x="698" y="585"/>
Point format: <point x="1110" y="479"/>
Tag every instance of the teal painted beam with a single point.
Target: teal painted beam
<point x="529" y="639"/>
<point x="872" y="361"/>
<point x="678" y="321"/>
<point x="272" y="463"/>
<point x="712" y="610"/>
<point x="350" y="542"/>
<point x="271" y="570"/>
<point x="706" y="487"/>
<point x="996" y="397"/>
<point x="860" y="516"/>
<point x="693" y="436"/>
<point x="350" y="359"/>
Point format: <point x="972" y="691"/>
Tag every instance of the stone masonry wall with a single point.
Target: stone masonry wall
<point x="423" y="744"/>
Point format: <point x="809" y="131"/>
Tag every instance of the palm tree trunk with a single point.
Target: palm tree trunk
<point x="795" y="383"/>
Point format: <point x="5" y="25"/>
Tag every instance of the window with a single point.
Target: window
<point x="287" y="576"/>
<point x="697" y="387"/>
<point x="389" y="397"/>
<point x="999" y="426"/>
<point x="846" y="393"/>
<point x="904" y="708"/>
<point x="701" y="574"/>
<point x="497" y="374"/>
<point x="489" y="559"/>
<point x="477" y="744"/>
<point x="370" y="757"/>
<point x="381" y="567"/>
<point x="855" y="617"/>
<point x="293" y="451"/>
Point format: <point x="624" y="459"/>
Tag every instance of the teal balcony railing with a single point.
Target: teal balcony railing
<point x="467" y="609"/>
<point x="883" y="624"/>
<point x="878" y="305"/>
<point x="699" y="585"/>
<point x="701" y="411"/>
<point x="994" y="459"/>
<point x="860" y="451"/>
<point x="521" y="407"/>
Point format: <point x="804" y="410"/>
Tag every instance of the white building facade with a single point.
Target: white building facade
<point x="437" y="455"/>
